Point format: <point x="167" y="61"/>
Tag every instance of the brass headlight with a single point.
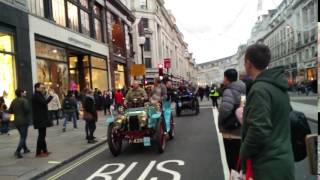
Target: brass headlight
<point x="143" y="119"/>
<point x="120" y="119"/>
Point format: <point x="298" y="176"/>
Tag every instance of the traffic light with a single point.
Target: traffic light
<point x="160" y="66"/>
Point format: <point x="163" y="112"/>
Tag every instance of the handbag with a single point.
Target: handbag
<point x="87" y="116"/>
<point x="236" y="175"/>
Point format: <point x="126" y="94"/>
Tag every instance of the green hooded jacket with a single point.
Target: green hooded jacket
<point x="266" y="128"/>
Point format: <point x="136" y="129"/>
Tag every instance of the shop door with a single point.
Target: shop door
<point x="79" y="76"/>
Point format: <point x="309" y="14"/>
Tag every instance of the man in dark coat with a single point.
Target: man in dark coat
<point x="266" y="138"/>
<point x="40" y="118"/>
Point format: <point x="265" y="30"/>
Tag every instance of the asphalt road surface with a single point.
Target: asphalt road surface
<point x="193" y="154"/>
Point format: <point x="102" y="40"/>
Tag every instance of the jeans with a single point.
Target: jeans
<point x="23" y="131"/>
<point x="72" y="116"/>
<point x="90" y="128"/>
<point x="4" y="127"/>
<point x="41" y="143"/>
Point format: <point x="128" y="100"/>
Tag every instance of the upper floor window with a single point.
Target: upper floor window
<point x="73" y="19"/>
<point x="147" y="46"/>
<point x="145" y="22"/>
<point x="59" y="12"/>
<point x="148" y="62"/>
<point x="36" y="7"/>
<point x="97" y="22"/>
<point x="143" y="4"/>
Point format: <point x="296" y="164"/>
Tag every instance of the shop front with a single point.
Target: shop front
<point x="63" y="68"/>
<point x="15" y="63"/>
<point x="311" y="74"/>
<point x="119" y="76"/>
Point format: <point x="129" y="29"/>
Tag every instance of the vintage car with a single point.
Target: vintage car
<point x="147" y="125"/>
<point x="186" y="100"/>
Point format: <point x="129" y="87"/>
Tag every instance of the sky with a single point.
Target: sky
<point x="213" y="28"/>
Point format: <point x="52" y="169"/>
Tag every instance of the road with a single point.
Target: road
<point x="194" y="154"/>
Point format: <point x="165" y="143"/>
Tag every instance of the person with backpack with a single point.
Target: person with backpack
<point x="69" y="107"/>
<point x="266" y="139"/>
<point x="229" y="125"/>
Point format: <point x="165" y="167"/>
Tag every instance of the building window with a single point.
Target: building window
<point x="147" y="45"/>
<point x="36" y="7"/>
<point x="307" y="55"/>
<point x="148" y="62"/>
<point x="119" y="76"/>
<point x="59" y="12"/>
<point x="52" y="67"/>
<point x="85" y="28"/>
<point x="73" y="20"/>
<point x="97" y="22"/>
<point x="143" y="4"/>
<point x="84" y="3"/>
<point x="7" y="66"/>
<point x="99" y="71"/>
<point x="145" y="22"/>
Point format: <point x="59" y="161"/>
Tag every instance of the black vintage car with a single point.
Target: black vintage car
<point x="186" y="99"/>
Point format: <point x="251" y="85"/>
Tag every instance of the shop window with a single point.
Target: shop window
<point x="85" y="28"/>
<point x="36" y="7"/>
<point x="7" y="74"/>
<point x="53" y="74"/>
<point x="119" y="77"/>
<point x="73" y="20"/>
<point x="99" y="79"/>
<point x="58" y="10"/>
<point x="50" y="52"/>
<point x="98" y="63"/>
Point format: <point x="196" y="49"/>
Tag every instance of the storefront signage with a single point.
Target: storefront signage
<point x="137" y="70"/>
<point x="76" y="41"/>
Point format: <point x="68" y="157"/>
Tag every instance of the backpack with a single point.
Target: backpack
<point x="299" y="130"/>
<point x="67" y="104"/>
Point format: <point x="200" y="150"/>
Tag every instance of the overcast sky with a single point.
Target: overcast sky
<point x="214" y="29"/>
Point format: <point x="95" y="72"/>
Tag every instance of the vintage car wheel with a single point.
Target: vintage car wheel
<point x="114" y="142"/>
<point x="160" y="136"/>
<point x="172" y="131"/>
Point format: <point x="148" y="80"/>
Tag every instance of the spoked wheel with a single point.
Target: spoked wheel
<point x="172" y="131"/>
<point x="160" y="136"/>
<point x="114" y="142"/>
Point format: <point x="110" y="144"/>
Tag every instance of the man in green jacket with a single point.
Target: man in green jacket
<point x="266" y="128"/>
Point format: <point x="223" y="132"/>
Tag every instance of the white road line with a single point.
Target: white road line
<point x="221" y="145"/>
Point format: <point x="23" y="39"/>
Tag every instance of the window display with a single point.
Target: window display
<point x="119" y="77"/>
<point x="7" y="66"/>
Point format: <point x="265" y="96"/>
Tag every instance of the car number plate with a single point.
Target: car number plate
<point x="146" y="141"/>
<point x="136" y="141"/>
<point x="179" y="104"/>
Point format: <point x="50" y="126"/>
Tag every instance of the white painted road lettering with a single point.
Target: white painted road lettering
<point x="100" y="173"/>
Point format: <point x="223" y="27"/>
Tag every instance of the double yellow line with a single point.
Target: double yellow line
<point x="73" y="166"/>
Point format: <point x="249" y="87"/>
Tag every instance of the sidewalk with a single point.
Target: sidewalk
<point x="309" y="110"/>
<point x="64" y="147"/>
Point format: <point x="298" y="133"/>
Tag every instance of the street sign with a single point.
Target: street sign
<point x="167" y="63"/>
<point x="137" y="70"/>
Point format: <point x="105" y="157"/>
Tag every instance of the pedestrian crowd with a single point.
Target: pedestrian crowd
<point x="45" y="108"/>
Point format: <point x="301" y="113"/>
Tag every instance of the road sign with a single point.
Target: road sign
<point x="137" y="70"/>
<point x="167" y="63"/>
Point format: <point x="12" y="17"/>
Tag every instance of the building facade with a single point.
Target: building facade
<point x="15" y="61"/>
<point x="211" y="72"/>
<point x="291" y="34"/>
<point x="162" y="40"/>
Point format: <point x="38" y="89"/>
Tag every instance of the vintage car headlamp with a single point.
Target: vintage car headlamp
<point x="120" y="119"/>
<point x="142" y="119"/>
